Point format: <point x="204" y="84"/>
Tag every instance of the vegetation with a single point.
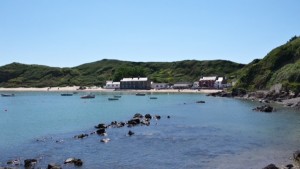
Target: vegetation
<point x="96" y="73"/>
<point x="281" y="65"/>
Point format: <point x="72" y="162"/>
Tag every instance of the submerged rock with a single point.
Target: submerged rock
<point x="101" y="131"/>
<point x="105" y="140"/>
<point x="130" y="133"/>
<point x="13" y="162"/>
<point x="101" y="126"/>
<point x="53" y="166"/>
<point x="30" y="163"/>
<point x="201" y="101"/>
<point x="80" y="136"/>
<point x="264" y="108"/>
<point x="75" y="161"/>
<point x="271" y="166"/>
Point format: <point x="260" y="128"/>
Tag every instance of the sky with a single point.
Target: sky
<point x="67" y="33"/>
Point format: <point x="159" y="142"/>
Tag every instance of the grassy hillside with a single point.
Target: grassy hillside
<point x="281" y="65"/>
<point x="96" y="73"/>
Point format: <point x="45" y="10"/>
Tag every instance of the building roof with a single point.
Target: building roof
<point x="220" y="79"/>
<point x="208" y="78"/>
<point x="111" y="82"/>
<point x="134" y="79"/>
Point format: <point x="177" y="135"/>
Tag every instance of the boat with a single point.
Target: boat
<point x="88" y="96"/>
<point x="140" y="94"/>
<point x="66" y="94"/>
<point x="7" y="95"/>
<point x="113" y="98"/>
<point x="117" y="96"/>
<point x="153" y="97"/>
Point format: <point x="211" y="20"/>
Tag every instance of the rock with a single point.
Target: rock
<point x="271" y="166"/>
<point x="289" y="166"/>
<point x="14" y="162"/>
<point x="148" y="116"/>
<point x="30" y="163"/>
<point x="168" y="117"/>
<point x="296" y="155"/>
<point x="134" y="121"/>
<point x="101" y="131"/>
<point x="101" y="126"/>
<point x="264" y="108"/>
<point x="201" y="101"/>
<point x="53" y="166"/>
<point x="81" y="136"/>
<point x="138" y="115"/>
<point x="105" y="140"/>
<point x="130" y="133"/>
<point x="75" y="161"/>
<point x="157" y="117"/>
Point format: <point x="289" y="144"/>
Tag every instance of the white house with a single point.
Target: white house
<point x="220" y="83"/>
<point x="159" y="86"/>
<point x="112" y="85"/>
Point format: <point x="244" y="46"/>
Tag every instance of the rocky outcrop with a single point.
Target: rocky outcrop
<point x="53" y="166"/>
<point x="264" y="108"/>
<point x="271" y="166"/>
<point x="75" y="161"/>
<point x="30" y="163"/>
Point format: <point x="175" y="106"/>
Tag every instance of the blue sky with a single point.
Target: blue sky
<point x="66" y="33"/>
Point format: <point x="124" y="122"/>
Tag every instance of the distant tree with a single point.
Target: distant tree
<point x="129" y="72"/>
<point x="293" y="38"/>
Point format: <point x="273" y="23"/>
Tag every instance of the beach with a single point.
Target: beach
<point x="99" y="89"/>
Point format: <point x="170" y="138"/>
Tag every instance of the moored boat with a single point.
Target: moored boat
<point x="140" y="94"/>
<point x="88" y="96"/>
<point x="7" y="95"/>
<point x="153" y="97"/>
<point x="113" y="99"/>
<point x="66" y="94"/>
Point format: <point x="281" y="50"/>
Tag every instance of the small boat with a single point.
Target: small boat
<point x="66" y="94"/>
<point x="8" y="95"/>
<point x="140" y="94"/>
<point x="153" y="97"/>
<point x="113" y="99"/>
<point x="88" y="96"/>
<point x="117" y="96"/>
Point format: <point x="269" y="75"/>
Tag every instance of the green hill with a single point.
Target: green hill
<point x="281" y="65"/>
<point x="96" y="73"/>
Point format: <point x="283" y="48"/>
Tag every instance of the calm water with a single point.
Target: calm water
<point x="222" y="133"/>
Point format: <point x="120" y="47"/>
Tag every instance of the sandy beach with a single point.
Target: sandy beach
<point x="99" y="89"/>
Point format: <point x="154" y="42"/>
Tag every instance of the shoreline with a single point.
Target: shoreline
<point x="99" y="89"/>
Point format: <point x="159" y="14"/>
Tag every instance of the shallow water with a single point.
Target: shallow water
<point x="222" y="133"/>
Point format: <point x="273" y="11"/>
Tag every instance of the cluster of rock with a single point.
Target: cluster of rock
<point x="296" y="165"/>
<point x="264" y="108"/>
<point x="31" y="163"/>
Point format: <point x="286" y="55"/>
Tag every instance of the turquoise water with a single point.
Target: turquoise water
<point x="222" y="133"/>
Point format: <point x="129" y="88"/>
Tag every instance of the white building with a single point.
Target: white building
<point x="112" y="85"/>
<point x="159" y="86"/>
<point x="220" y="83"/>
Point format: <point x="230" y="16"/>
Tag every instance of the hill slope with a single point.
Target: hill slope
<point x="96" y="73"/>
<point x="281" y="65"/>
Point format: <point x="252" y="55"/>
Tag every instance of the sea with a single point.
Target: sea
<point x="222" y="133"/>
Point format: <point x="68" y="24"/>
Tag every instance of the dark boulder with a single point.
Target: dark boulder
<point x="264" y="108"/>
<point x="168" y="117"/>
<point x="148" y="116"/>
<point x="271" y="166"/>
<point x="296" y="155"/>
<point x="29" y="163"/>
<point x="53" y="166"/>
<point x="130" y="133"/>
<point x="101" y="131"/>
<point x="134" y="121"/>
<point x="138" y="115"/>
<point x="75" y="161"/>
<point x="81" y="136"/>
<point x="289" y="166"/>
<point x="101" y="126"/>
<point x="157" y="117"/>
